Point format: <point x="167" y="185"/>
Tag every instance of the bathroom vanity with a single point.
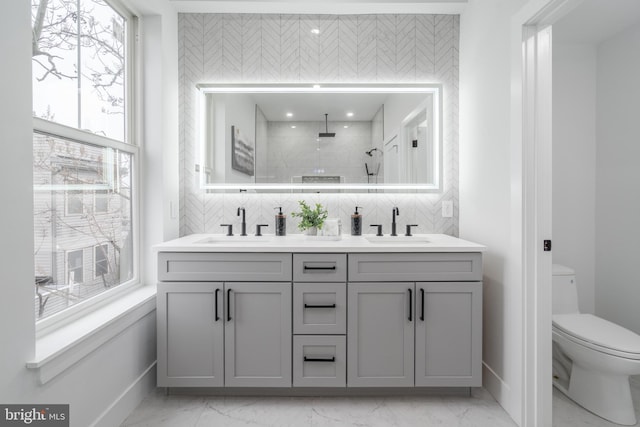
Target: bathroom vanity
<point x="298" y="312"/>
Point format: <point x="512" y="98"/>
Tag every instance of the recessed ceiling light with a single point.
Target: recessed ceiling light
<point x="315" y="31"/>
<point x="316" y="86"/>
<point x="289" y="114"/>
<point x="349" y="114"/>
<point x="293" y="127"/>
<point x="346" y="127"/>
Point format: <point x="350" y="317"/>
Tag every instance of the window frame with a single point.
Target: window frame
<point x="131" y="146"/>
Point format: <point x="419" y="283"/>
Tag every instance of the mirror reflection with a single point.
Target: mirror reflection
<point x="329" y="139"/>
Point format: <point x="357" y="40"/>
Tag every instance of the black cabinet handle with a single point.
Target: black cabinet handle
<point x="319" y="306"/>
<point x="422" y="304"/>
<point x="319" y="359"/>
<point x="216" y="304"/>
<point x="228" y="305"/>
<point x="306" y="267"/>
<point x="410" y="305"/>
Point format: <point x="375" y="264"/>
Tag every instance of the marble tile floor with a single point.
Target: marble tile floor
<point x="160" y="410"/>
<point x="568" y="414"/>
<point x="479" y="410"/>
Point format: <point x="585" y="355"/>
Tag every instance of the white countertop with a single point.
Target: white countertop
<point x="302" y="243"/>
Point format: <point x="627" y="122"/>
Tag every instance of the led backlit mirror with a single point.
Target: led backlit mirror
<point x="329" y="138"/>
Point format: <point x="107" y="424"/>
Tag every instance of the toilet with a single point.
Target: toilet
<point x="592" y="357"/>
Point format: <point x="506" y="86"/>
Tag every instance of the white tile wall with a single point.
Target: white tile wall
<point x="249" y="48"/>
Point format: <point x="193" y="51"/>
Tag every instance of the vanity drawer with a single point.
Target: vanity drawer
<point x="319" y="361"/>
<point x="396" y="267"/>
<point x="208" y="266"/>
<point x="319" y="267"/>
<point x="319" y="308"/>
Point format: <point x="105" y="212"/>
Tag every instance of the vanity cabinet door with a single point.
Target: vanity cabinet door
<point x="380" y="340"/>
<point x="190" y="335"/>
<point x="449" y="334"/>
<point x="258" y="335"/>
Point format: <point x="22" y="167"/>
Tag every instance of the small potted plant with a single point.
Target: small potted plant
<point x="310" y="219"/>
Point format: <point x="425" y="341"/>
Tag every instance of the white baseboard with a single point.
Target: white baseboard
<point x="501" y="392"/>
<point x="130" y="398"/>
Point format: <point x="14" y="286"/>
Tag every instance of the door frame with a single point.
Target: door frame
<point x="531" y="165"/>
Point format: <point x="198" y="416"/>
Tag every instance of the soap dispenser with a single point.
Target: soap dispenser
<point x="281" y="223"/>
<point x="356" y="223"/>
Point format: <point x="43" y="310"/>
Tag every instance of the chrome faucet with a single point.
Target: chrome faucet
<point x="395" y="211"/>
<point x="244" y="223"/>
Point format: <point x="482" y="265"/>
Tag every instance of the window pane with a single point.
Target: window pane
<point x="75" y="268"/>
<point x="101" y="257"/>
<point x="101" y="201"/>
<point x="67" y="176"/>
<point x="84" y="35"/>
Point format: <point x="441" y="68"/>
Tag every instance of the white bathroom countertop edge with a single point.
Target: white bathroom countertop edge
<point x="301" y="243"/>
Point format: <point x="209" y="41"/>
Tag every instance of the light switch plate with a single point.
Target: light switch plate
<point x="447" y="208"/>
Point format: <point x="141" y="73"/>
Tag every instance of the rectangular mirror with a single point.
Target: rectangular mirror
<point x="320" y="138"/>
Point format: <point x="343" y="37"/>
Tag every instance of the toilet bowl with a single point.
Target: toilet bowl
<point x="593" y="358"/>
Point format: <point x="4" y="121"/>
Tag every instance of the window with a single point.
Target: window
<point x="101" y="201"/>
<point x="73" y="202"/>
<point x="75" y="267"/>
<point x="84" y="153"/>
<point x="101" y="260"/>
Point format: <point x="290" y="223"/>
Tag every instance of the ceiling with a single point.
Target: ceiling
<point x="594" y="21"/>
<point x="313" y="106"/>
<point x="334" y="7"/>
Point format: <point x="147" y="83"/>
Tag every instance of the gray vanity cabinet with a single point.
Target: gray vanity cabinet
<point x="448" y="334"/>
<point x="415" y="319"/>
<point x="190" y="335"/>
<point x="224" y="319"/>
<point x="258" y="335"/>
<point x="380" y="339"/>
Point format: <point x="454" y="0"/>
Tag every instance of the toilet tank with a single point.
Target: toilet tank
<point x="564" y="290"/>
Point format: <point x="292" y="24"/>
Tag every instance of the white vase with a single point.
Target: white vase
<point x="311" y="231"/>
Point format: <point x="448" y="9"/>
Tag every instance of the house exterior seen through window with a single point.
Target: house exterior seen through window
<point x="84" y="157"/>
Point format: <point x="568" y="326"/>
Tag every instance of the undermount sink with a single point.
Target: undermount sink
<point x="397" y="239"/>
<point x="232" y="239"/>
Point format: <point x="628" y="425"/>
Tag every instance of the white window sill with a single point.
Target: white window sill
<point x="65" y="346"/>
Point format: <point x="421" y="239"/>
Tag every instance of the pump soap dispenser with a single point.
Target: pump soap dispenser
<point x="356" y="223"/>
<point x="281" y="223"/>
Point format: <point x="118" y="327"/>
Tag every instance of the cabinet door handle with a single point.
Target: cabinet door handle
<point x="216" y="304"/>
<point x="228" y="305"/>
<point x="306" y="267"/>
<point x="422" y="304"/>
<point x="319" y="359"/>
<point x="319" y="306"/>
<point x="410" y="305"/>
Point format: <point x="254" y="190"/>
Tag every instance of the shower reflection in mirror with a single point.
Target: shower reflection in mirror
<point x="355" y="138"/>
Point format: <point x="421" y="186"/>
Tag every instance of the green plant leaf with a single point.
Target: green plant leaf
<point x="310" y="217"/>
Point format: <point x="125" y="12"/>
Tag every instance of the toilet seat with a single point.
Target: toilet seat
<point x="599" y="334"/>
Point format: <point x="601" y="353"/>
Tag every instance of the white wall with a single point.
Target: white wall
<point x="105" y="384"/>
<point x="486" y="189"/>
<point x="574" y="164"/>
<point x="617" y="195"/>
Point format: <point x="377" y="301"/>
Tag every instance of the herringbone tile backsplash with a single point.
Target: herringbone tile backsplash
<point x="271" y="48"/>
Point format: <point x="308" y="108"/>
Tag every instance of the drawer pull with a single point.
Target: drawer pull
<point x="306" y="267"/>
<point x="319" y="359"/>
<point x="319" y="306"/>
